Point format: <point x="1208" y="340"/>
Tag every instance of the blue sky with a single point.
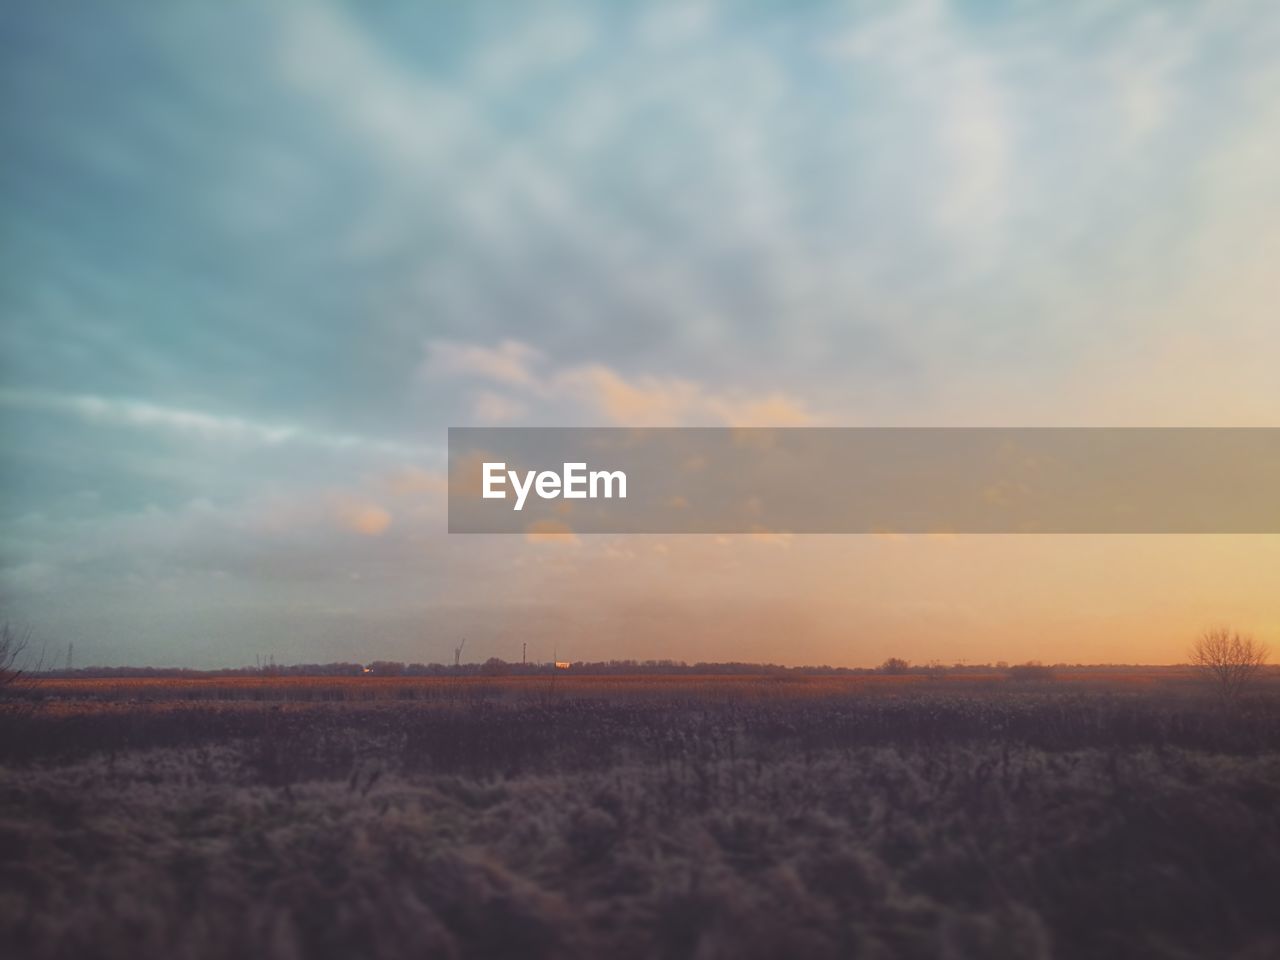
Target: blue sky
<point x="257" y="259"/>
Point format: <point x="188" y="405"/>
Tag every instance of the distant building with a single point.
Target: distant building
<point x="562" y="664"/>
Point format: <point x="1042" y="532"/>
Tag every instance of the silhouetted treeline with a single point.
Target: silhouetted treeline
<point x="496" y="667"/>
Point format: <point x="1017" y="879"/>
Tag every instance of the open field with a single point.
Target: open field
<point x="1094" y="815"/>
<point x="574" y="685"/>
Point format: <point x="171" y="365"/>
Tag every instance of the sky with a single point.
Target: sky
<point x="258" y="258"/>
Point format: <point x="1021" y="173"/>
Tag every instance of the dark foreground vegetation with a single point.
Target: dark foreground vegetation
<point x="530" y="820"/>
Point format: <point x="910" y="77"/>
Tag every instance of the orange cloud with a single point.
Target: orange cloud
<point x="760" y="534"/>
<point x="551" y="531"/>
<point x="467" y="475"/>
<point x="363" y="517"/>
<point x="632" y="402"/>
<point x="646" y="402"/>
<point x="652" y="401"/>
<point x="774" y="410"/>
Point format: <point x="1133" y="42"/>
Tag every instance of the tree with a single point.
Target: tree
<point x="895" y="666"/>
<point x="12" y="646"/>
<point x="1031" y="670"/>
<point x="1232" y="660"/>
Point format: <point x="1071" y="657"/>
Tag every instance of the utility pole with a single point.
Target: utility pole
<point x="524" y="654"/>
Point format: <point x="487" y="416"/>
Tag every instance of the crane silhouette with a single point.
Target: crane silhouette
<point x="457" y="652"/>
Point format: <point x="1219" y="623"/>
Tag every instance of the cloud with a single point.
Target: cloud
<point x="510" y="362"/>
<point x="414" y="481"/>
<point x="495" y="408"/>
<point x="362" y="516"/>
<point x="951" y="83"/>
<point x="600" y="392"/>
<point x="659" y="401"/>
<point x="648" y="401"/>
<point x="142" y="415"/>
<point x="201" y="425"/>
<point x="551" y="531"/>
<point x="543" y="43"/>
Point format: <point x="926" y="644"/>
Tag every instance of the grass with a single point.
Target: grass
<point x="639" y="817"/>
<point x="647" y="685"/>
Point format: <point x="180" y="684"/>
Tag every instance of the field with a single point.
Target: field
<point x="1091" y="815"/>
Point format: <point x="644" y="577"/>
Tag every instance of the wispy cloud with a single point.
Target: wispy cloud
<point x="202" y="425"/>
<point x="510" y="362"/>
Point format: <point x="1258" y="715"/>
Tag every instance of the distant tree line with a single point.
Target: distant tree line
<point x="495" y="667"/>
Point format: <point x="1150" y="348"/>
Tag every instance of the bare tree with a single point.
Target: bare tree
<point x="14" y="659"/>
<point x="13" y="645"/>
<point x="1231" y="659"/>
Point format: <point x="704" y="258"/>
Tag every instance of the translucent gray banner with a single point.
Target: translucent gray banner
<point x="829" y="480"/>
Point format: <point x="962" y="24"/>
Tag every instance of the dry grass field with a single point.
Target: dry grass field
<point x="571" y="685"/>
<point x="1092" y="815"/>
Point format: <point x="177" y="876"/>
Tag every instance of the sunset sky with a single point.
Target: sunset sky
<point x="257" y="259"/>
